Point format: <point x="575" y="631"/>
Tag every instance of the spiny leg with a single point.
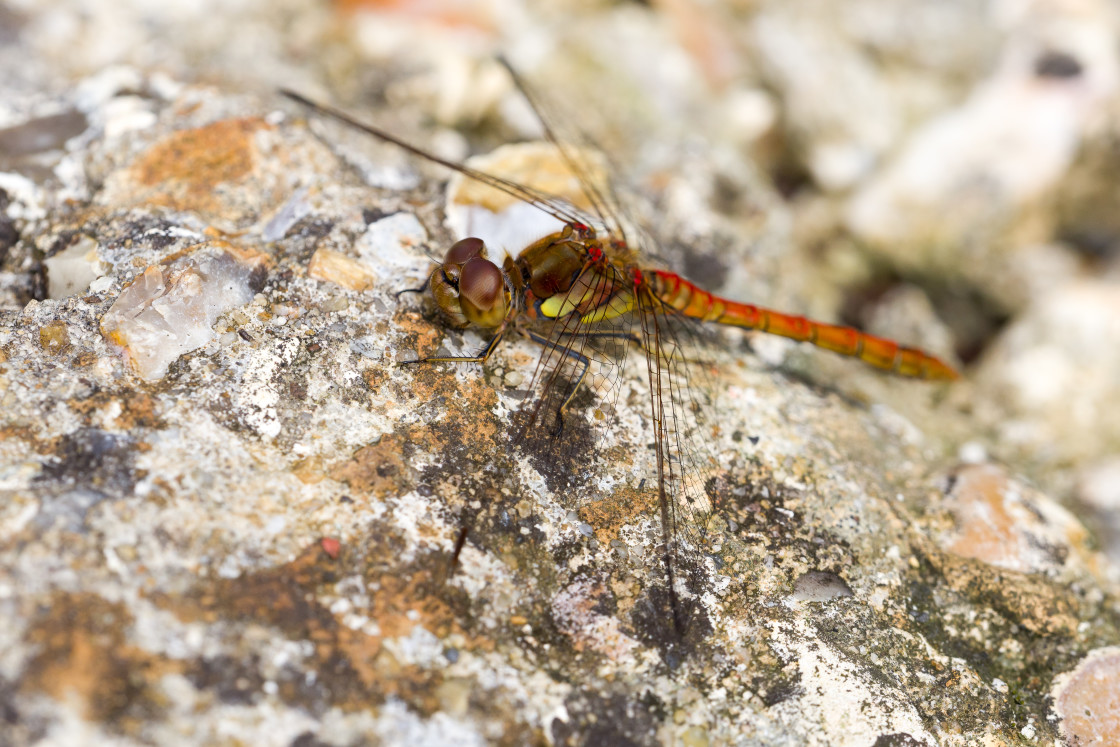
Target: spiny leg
<point x="401" y="292"/>
<point x="480" y="358"/>
<point x="582" y="360"/>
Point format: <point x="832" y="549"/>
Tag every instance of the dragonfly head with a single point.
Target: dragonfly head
<point x="469" y="288"/>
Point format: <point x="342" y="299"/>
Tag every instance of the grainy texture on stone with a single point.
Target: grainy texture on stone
<point x="227" y="510"/>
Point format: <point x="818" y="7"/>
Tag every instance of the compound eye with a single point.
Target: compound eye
<point x="482" y="292"/>
<point x="464" y="250"/>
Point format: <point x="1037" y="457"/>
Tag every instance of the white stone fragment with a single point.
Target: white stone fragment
<point x="102" y="87"/>
<point x="1099" y="485"/>
<point x="126" y="114"/>
<point x="972" y="452"/>
<point x="101" y="284"/>
<point x="26" y="198"/>
<point x="394" y="243"/>
<point x="287" y="216"/>
<point x="169" y="310"/>
<point x="752" y="112"/>
<point x="71" y="271"/>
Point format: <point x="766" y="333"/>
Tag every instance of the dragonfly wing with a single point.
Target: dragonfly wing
<point x="575" y="415"/>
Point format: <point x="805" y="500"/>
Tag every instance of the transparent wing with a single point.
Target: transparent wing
<point x="637" y="349"/>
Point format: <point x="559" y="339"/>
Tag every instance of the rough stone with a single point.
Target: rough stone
<point x="243" y="530"/>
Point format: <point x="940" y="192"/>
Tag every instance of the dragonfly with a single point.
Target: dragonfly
<point x="587" y="296"/>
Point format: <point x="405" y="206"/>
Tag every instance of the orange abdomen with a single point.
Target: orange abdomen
<point x="688" y="299"/>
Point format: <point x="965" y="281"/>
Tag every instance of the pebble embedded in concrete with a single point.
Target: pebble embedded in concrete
<point x="1087" y="699"/>
<point x="169" y="310"/>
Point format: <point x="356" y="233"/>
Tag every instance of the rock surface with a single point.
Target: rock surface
<point x="227" y="512"/>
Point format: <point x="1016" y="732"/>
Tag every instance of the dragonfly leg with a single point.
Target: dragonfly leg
<point x="480" y="358"/>
<point x="401" y="292"/>
<point x="423" y="287"/>
<point x="582" y="360"/>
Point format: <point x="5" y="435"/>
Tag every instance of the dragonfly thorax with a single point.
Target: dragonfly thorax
<point x="469" y="288"/>
<point x="551" y="265"/>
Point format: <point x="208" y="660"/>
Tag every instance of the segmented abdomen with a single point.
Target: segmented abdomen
<point x="692" y="301"/>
